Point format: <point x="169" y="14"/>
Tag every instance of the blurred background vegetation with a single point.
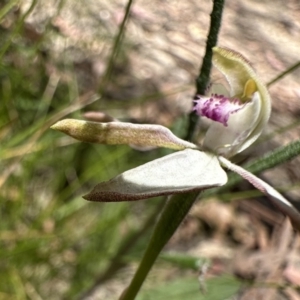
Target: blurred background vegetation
<point x="64" y="58"/>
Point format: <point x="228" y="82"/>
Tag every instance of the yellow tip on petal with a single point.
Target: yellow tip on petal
<point x="249" y="89"/>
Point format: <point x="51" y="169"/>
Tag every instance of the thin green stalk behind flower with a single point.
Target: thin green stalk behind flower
<point x="203" y="79"/>
<point x="269" y="161"/>
<point x="275" y="158"/>
<point x="276" y="198"/>
<point x="116" y="48"/>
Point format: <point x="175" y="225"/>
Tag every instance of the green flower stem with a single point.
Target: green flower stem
<point x="203" y="78"/>
<point x="275" y="158"/>
<point x="215" y="24"/>
<point x="174" y="212"/>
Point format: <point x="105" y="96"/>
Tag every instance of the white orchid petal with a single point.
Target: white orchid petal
<point x="218" y="89"/>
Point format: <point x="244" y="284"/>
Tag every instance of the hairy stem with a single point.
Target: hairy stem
<point x="276" y="198"/>
<point x="269" y="161"/>
<point x="203" y="79"/>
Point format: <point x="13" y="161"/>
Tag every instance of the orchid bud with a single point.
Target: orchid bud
<point x="238" y="115"/>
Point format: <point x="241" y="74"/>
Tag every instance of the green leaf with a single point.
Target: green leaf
<point x="219" y="288"/>
<point x="180" y="172"/>
<point x="184" y="261"/>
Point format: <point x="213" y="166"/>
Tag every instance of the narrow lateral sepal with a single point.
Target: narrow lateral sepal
<point x="275" y="197"/>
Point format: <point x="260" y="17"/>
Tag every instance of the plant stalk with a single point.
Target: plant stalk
<point x="204" y="76"/>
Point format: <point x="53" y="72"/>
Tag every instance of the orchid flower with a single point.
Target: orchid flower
<point x="238" y="118"/>
<point x="240" y="114"/>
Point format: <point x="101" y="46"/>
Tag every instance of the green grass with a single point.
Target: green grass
<point x="54" y="244"/>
